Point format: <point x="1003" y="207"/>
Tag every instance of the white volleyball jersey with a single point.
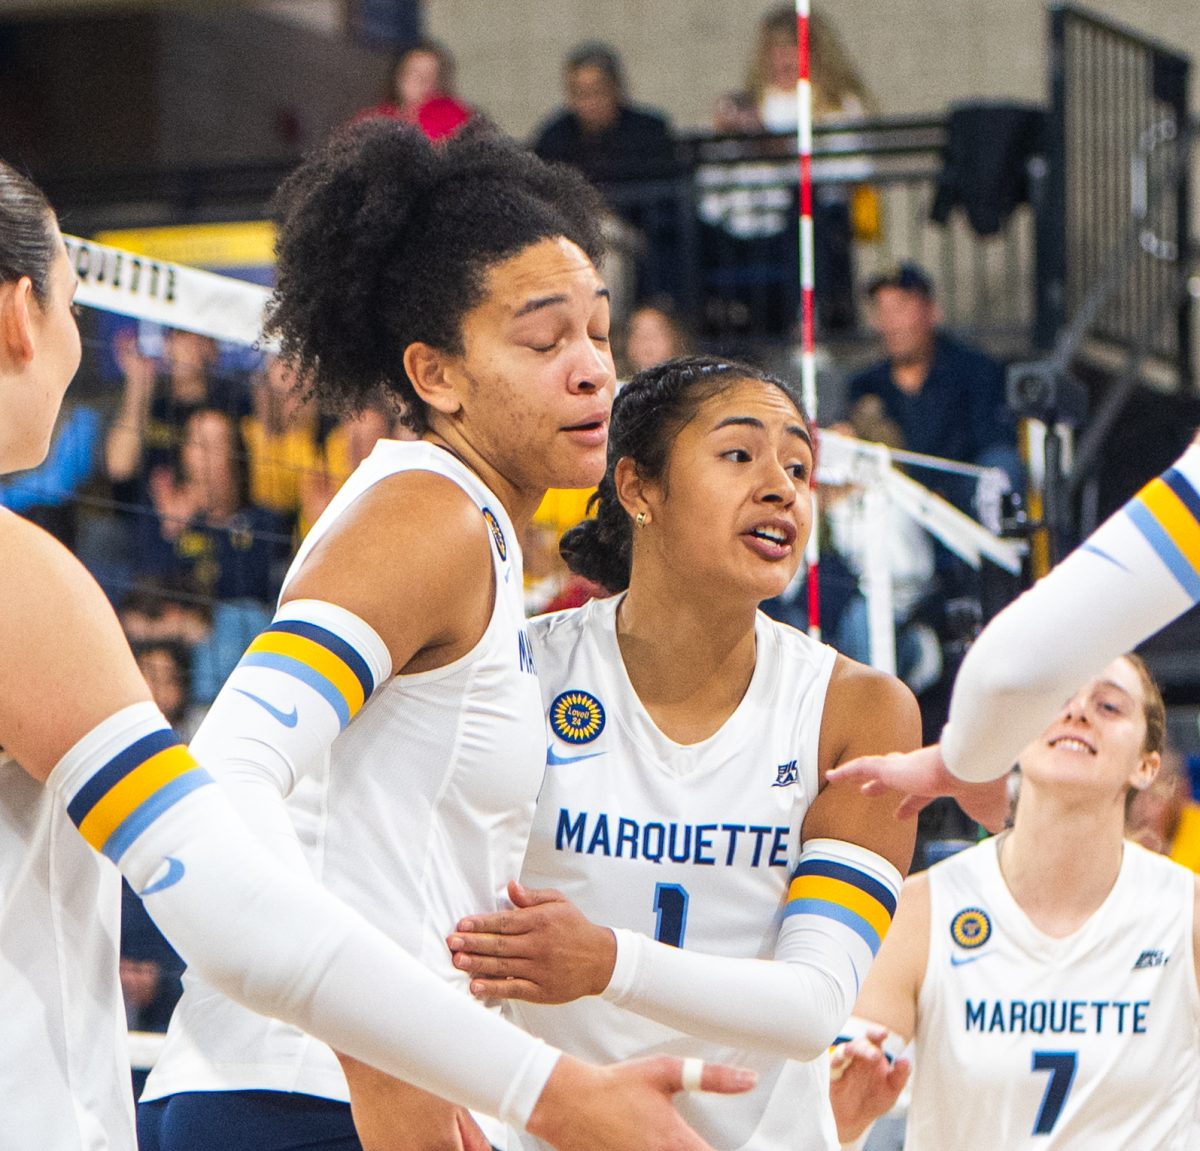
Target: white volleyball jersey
<point x="64" y="1074"/>
<point x="1024" y="1041"/>
<point x="419" y="816"/>
<point x="693" y="845"/>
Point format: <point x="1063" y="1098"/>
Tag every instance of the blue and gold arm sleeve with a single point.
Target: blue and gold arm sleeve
<point x="298" y="686"/>
<point x="1135" y="574"/>
<point x="838" y="908"/>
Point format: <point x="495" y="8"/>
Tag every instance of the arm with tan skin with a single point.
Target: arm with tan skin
<point x="546" y="951"/>
<point x="1129" y="579"/>
<point x="867" y="1088"/>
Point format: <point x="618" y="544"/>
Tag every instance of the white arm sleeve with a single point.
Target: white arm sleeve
<point x="277" y="942"/>
<point x="840" y="902"/>
<point x="1134" y="575"/>
<point x="300" y="682"/>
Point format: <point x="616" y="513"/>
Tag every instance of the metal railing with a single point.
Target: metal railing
<point x="721" y="236"/>
<point x="1118" y="119"/>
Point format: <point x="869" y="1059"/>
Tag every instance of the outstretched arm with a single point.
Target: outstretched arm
<point x="1134" y="575"/>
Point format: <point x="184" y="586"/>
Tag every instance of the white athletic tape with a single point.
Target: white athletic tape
<point x="145" y="1048"/>
<point x="166" y="293"/>
<point x="692" y="1070"/>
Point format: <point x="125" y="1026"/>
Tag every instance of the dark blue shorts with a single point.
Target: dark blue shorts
<point x="245" y="1121"/>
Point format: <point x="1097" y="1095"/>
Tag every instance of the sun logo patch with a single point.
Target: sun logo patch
<point x="577" y="716"/>
<point x="971" y="928"/>
<point x="497" y="534"/>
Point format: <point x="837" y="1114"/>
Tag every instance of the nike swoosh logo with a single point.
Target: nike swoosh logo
<point x="959" y="960"/>
<point x="556" y="760"/>
<point x="288" y="719"/>
<point x="175" y="871"/>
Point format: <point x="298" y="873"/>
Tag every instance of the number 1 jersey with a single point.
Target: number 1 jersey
<point x="693" y="845"/>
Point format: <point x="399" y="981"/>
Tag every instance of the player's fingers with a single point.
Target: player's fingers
<point x="866" y="767"/>
<point x="911" y="806"/>
<point x="693" y="1074"/>
<point x="506" y="989"/>
<point x="523" y="896"/>
<point x="484" y="943"/>
<point x="494" y="923"/>
<point x="898" y="1075"/>
<point x="725" y="1080"/>
<point x="473" y="1139"/>
<point x="496" y="961"/>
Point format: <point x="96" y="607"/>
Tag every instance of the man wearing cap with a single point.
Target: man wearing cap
<point x="946" y="397"/>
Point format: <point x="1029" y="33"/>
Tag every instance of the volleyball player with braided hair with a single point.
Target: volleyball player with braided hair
<point x="691" y="883"/>
<point x="385" y="731"/>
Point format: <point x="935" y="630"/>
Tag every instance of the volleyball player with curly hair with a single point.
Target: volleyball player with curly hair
<point x="89" y="767"/>
<point x="385" y="731"/>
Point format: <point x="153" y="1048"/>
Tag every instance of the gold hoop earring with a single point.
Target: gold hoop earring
<point x="641" y="519"/>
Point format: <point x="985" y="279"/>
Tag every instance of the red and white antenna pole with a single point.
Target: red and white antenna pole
<point x="808" y="350"/>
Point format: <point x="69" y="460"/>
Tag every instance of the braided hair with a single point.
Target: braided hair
<point x="385" y="239"/>
<point x="648" y="413"/>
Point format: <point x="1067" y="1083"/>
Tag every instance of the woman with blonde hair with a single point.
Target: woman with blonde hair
<point x="1046" y="977"/>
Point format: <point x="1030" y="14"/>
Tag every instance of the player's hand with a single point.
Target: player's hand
<point x="626" y="1106"/>
<point x="391" y="1115"/>
<point x="545" y="950"/>
<point x="863" y="1085"/>
<point x="921" y="777"/>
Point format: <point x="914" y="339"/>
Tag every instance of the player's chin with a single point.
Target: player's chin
<point x="575" y="465"/>
<point x="767" y="580"/>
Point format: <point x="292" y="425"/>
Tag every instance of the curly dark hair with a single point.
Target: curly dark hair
<point x="385" y="240"/>
<point x="648" y="413"/>
<point x="27" y="226"/>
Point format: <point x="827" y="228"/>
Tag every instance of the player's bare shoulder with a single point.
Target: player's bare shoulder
<point x="411" y="557"/>
<point x="64" y="662"/>
<point x="866" y="709"/>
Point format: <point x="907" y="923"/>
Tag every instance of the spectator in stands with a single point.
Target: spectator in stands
<point x="946" y="397"/>
<point x="768" y="104"/>
<point x="599" y="131"/>
<point x="911" y="558"/>
<point x="346" y="445"/>
<point x="150" y="972"/>
<point x="147" y="432"/>
<point x="420" y="90"/>
<point x="205" y="525"/>
<point x="166" y="666"/>
<point x="281" y="438"/>
<point x="173" y="610"/>
<point x="655" y="333"/>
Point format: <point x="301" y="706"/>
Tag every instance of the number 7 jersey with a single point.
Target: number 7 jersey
<point x="693" y="845"/>
<point x="1025" y="1041"/>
